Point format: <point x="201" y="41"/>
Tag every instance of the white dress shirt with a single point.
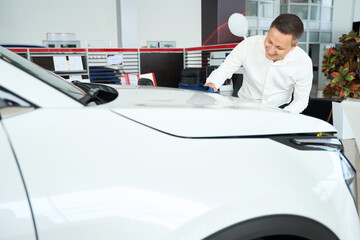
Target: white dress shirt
<point x="266" y="81"/>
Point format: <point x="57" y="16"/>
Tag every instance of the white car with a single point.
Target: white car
<point x="88" y="161"/>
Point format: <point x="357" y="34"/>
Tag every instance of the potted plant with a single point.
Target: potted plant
<point x="342" y="68"/>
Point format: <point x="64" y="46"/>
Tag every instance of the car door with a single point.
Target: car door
<point x="16" y="221"/>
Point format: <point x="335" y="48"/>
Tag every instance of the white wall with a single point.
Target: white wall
<point x="356" y="10"/>
<point x="28" y="21"/>
<point x="343" y="17"/>
<point x="129" y="24"/>
<point x="170" y="20"/>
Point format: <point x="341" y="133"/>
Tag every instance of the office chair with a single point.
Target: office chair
<point x="145" y="82"/>
<point x="190" y="76"/>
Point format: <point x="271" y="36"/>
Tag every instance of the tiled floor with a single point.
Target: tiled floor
<point x="352" y="153"/>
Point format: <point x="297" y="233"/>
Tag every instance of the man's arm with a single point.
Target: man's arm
<point x="302" y="90"/>
<point x="226" y="69"/>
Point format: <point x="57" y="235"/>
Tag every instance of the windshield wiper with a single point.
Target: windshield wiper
<point x="91" y="93"/>
<point x="91" y="96"/>
<point x="96" y="92"/>
<point x="81" y="85"/>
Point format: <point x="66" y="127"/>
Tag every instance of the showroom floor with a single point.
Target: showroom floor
<point x="352" y="153"/>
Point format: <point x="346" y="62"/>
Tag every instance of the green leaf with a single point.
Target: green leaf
<point x="349" y="78"/>
<point x="333" y="59"/>
<point x="335" y="80"/>
<point x="344" y="72"/>
<point x="346" y="92"/>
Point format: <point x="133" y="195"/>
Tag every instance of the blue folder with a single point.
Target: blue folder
<point x="198" y="87"/>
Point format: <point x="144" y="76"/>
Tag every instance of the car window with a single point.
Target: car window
<point x="10" y="100"/>
<point x="41" y="73"/>
<point x="11" y="105"/>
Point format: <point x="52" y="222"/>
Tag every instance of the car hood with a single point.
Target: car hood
<point x="196" y="114"/>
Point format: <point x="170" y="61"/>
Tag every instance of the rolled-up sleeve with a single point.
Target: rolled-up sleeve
<point x="302" y="90"/>
<point x="230" y="65"/>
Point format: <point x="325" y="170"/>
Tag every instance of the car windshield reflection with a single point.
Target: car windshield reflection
<point x="42" y="74"/>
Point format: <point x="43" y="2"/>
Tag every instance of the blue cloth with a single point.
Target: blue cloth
<point x="198" y="87"/>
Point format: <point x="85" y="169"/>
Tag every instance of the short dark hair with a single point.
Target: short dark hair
<point x="288" y="23"/>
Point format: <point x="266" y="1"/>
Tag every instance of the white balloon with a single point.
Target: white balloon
<point x="238" y="25"/>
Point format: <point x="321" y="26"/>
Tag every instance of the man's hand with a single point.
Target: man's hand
<point x="210" y="84"/>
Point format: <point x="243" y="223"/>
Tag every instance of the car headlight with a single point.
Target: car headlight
<point x="332" y="144"/>
<point x="349" y="174"/>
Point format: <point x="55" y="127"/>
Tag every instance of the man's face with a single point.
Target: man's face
<point x="277" y="44"/>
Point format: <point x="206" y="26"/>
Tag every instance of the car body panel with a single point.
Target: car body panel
<point x="141" y="182"/>
<point x="15" y="211"/>
<point x="33" y="90"/>
<point x="152" y="165"/>
<point x="163" y="108"/>
<point x="209" y="123"/>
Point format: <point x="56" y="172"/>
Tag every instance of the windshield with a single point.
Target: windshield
<point x="41" y="73"/>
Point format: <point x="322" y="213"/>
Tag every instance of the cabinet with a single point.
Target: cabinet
<point x="61" y="44"/>
<point x="102" y="70"/>
<point x="68" y="63"/>
<point x="165" y="63"/>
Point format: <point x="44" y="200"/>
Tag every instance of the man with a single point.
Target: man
<point x="276" y="71"/>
